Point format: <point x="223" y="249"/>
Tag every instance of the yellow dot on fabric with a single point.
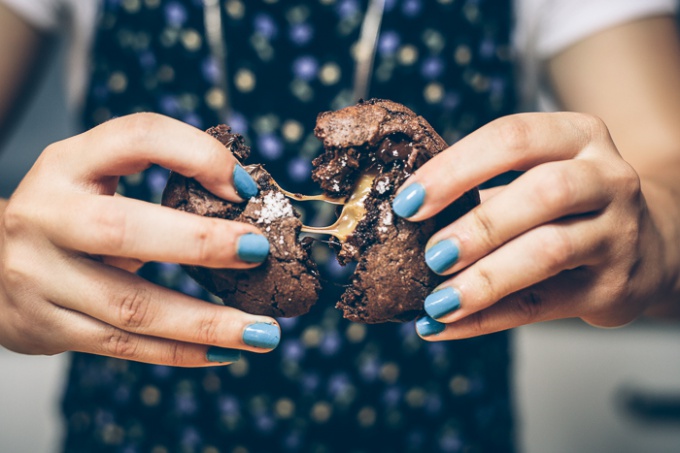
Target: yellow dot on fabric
<point x="356" y="333"/>
<point x="236" y="9"/>
<point x="445" y="2"/>
<point x="394" y="418"/>
<point x="459" y="385"/>
<point x="415" y="397"/>
<point x="326" y="2"/>
<point x="151" y="4"/>
<point x="134" y="179"/>
<point x="298" y="14"/>
<point x="434" y="92"/>
<point x="462" y="55"/>
<point x="244" y="80"/>
<point x="321" y="412"/>
<point x="389" y="372"/>
<point x="366" y="417"/>
<point x="101" y="115"/>
<point x="166" y="73"/>
<point x="132" y="6"/>
<point x="312" y="336"/>
<point x="240" y="449"/>
<point x="210" y="449"/>
<point x="159" y="449"/>
<point x="150" y="395"/>
<point x="118" y="82"/>
<point x="240" y="368"/>
<point x="284" y="408"/>
<point x="329" y="73"/>
<point x="191" y="40"/>
<point x="407" y="55"/>
<point x="292" y="131"/>
<point x="215" y="98"/>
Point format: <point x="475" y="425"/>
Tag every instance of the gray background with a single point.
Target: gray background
<point x="568" y="382"/>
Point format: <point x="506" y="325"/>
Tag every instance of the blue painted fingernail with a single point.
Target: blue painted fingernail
<point x="427" y="326"/>
<point x="223" y="355"/>
<point x="441" y="256"/>
<point x="409" y="200"/>
<point x="245" y="185"/>
<point x="253" y="248"/>
<point x="442" y="302"/>
<point x="262" y="335"/>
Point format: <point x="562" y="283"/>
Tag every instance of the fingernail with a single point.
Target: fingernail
<point x="409" y="200"/>
<point x="223" y="355"/>
<point x="245" y="185"/>
<point x="442" y="302"/>
<point x="253" y="248"/>
<point x="427" y="326"/>
<point x="441" y="256"/>
<point x="262" y="335"/>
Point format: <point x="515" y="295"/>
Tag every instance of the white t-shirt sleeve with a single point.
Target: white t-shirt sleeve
<point x="43" y="14"/>
<point x="543" y="28"/>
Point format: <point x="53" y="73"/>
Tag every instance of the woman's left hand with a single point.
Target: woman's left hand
<point x="571" y="237"/>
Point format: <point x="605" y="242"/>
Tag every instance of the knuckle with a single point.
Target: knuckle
<point x="119" y="343"/>
<point x="16" y="272"/>
<point x="480" y="323"/>
<point x="134" y="308"/>
<point x="140" y="126"/>
<point x="486" y="232"/>
<point x="204" y="238"/>
<point x="514" y="133"/>
<point x="110" y="226"/>
<point x="208" y="329"/>
<point x="15" y="219"/>
<point x="529" y="305"/>
<point x="175" y="354"/>
<point x="487" y="286"/>
<point x="557" y="249"/>
<point x="556" y="190"/>
<point x="593" y="126"/>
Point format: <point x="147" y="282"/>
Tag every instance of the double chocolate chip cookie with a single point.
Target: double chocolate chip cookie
<point x="370" y="150"/>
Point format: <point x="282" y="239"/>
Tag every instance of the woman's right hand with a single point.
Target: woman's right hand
<point x="69" y="249"/>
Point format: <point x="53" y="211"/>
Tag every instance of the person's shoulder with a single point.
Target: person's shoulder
<point x="42" y="14"/>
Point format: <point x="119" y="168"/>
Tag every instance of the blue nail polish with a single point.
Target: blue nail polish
<point x="245" y="185"/>
<point x="409" y="200"/>
<point x="253" y="248"/>
<point x="442" y="302"/>
<point x="262" y="335"/>
<point x="427" y="326"/>
<point x="441" y="256"/>
<point x="223" y="355"/>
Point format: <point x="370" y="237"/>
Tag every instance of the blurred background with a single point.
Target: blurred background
<point x="577" y="388"/>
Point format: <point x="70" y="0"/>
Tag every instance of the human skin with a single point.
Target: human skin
<point x="590" y="229"/>
<point x="603" y="210"/>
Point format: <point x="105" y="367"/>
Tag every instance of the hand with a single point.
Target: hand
<point x="571" y="237"/>
<point x="69" y="250"/>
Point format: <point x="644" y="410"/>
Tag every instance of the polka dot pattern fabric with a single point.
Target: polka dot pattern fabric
<point x="331" y="385"/>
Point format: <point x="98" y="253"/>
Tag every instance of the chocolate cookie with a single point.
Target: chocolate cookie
<point x="373" y="147"/>
<point x="370" y="150"/>
<point x="286" y="284"/>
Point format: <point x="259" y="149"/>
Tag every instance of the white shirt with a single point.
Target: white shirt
<point x="542" y="29"/>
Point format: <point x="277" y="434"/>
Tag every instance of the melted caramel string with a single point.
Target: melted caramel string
<point x="352" y="212"/>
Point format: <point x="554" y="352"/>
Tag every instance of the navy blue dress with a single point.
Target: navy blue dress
<point x="331" y="385"/>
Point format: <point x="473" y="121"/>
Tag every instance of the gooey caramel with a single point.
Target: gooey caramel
<point x="352" y="213"/>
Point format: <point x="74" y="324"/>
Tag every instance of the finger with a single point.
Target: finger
<point x="85" y="334"/>
<point x="129" y="228"/>
<point x="134" y="305"/>
<point x="487" y="194"/>
<point x="516" y="142"/>
<point x="132" y="143"/>
<point x="543" y="194"/>
<point x="525" y="261"/>
<point x="127" y="264"/>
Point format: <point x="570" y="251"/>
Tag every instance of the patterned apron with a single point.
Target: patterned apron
<point x="331" y="385"/>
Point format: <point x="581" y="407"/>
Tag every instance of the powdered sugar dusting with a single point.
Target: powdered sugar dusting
<point x="274" y="206"/>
